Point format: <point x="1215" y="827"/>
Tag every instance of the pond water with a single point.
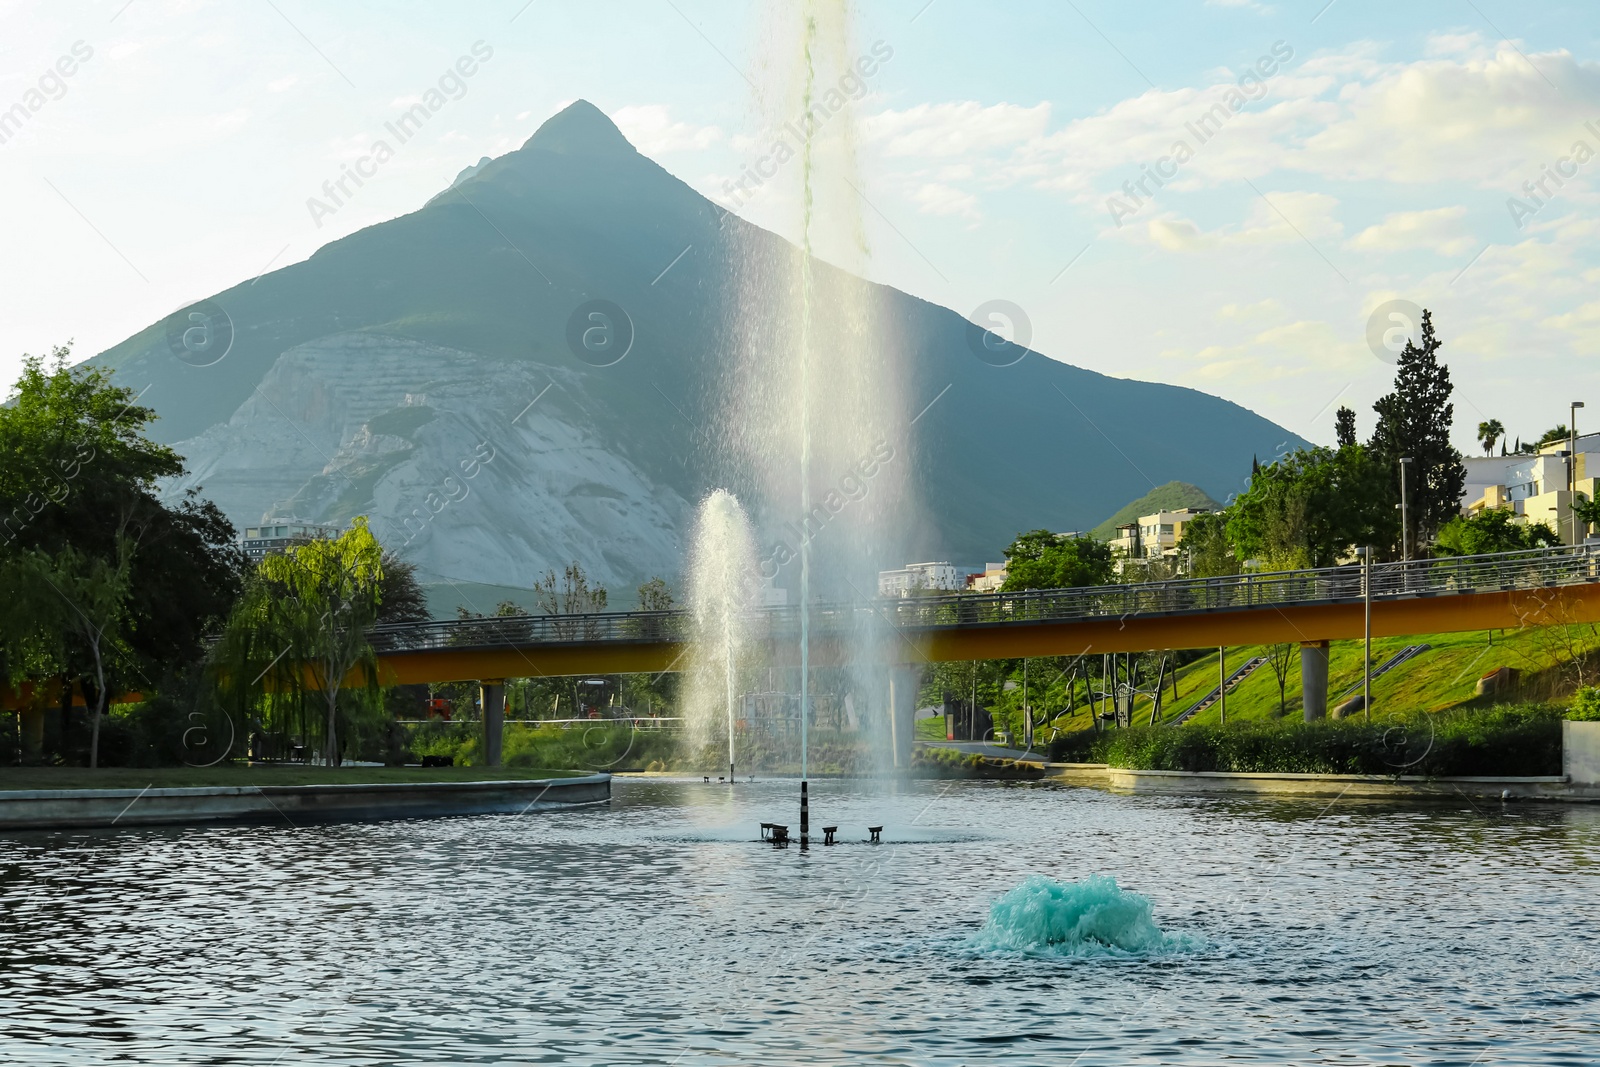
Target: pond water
<point x="658" y="930"/>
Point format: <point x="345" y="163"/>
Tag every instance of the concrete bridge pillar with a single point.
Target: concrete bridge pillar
<point x="1314" y="678"/>
<point x="492" y="698"/>
<point x="903" y="685"/>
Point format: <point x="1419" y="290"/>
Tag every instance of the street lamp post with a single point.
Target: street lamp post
<point x="1405" y="519"/>
<point x="1572" y="464"/>
<point x="1366" y="657"/>
<point x="1027" y="715"/>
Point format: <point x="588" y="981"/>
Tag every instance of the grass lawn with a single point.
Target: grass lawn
<point x="1443" y="677"/>
<point x="177" y="777"/>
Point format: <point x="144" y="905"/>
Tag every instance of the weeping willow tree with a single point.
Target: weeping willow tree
<point x="298" y="636"/>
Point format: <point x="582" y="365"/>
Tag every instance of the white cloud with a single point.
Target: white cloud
<point x="1468" y="112"/>
<point x="1438" y="230"/>
<point x="934" y="198"/>
<point x="953" y="129"/>
<point x="1279" y="218"/>
<point x="1178" y="235"/>
<point x="1261" y="309"/>
<point x="652" y="131"/>
<point x="1470" y="43"/>
<point x="1292" y="350"/>
<point x="1290" y="216"/>
<point x="1584" y="320"/>
<point x="1478" y="119"/>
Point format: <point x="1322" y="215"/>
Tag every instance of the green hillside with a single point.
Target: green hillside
<point x="1169" y="497"/>
<point x="1441" y="678"/>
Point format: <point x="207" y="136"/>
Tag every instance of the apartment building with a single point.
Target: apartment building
<point x="914" y="577"/>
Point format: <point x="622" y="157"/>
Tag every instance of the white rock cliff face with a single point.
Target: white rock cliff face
<point x="476" y="469"/>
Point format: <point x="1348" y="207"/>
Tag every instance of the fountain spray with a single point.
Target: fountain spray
<point x="805" y="429"/>
<point x="814" y="386"/>
<point x="729" y="672"/>
<point x="722" y="559"/>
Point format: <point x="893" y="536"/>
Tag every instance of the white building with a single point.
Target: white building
<point x="276" y="535"/>
<point x="990" y="581"/>
<point x="917" y="576"/>
<point x="1535" y="488"/>
<point x="1154" y="536"/>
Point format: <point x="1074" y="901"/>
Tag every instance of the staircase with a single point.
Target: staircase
<point x="1408" y="653"/>
<point x="1210" y="698"/>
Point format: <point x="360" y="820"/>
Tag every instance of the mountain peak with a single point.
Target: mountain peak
<point x="580" y="128"/>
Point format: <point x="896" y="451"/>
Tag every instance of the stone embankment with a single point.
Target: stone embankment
<point x="44" y="809"/>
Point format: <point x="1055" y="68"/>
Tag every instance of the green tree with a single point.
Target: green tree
<point x="1491" y="530"/>
<point x="1040" y="559"/>
<point x="90" y="610"/>
<point x="400" y="595"/>
<point x="570" y="595"/>
<point x="29" y="648"/>
<point x="1206" y="549"/>
<point x="80" y="487"/>
<point x="186" y="572"/>
<point x="1489" y="433"/>
<point x="655" y="595"/>
<point x="1309" y="508"/>
<point x="1344" y="427"/>
<point x="1414" y="421"/>
<point x="1554" y="435"/>
<point x="306" y="616"/>
<point x="1280" y="658"/>
<point x="979" y="680"/>
<point x="1587" y="511"/>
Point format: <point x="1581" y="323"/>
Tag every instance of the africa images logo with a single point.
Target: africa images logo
<point x="200" y="334"/>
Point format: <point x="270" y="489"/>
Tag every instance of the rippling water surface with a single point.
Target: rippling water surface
<point x="658" y="931"/>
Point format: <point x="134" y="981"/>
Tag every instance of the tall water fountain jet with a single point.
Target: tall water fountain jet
<point x="722" y="574"/>
<point x="813" y="406"/>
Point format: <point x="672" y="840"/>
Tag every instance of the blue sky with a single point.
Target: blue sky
<point x="1373" y="164"/>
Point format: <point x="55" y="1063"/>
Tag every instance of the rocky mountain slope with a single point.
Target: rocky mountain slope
<point x="419" y="372"/>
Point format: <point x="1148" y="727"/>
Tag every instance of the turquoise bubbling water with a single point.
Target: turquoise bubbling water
<point x="1088" y="918"/>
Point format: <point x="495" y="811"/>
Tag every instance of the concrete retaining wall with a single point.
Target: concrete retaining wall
<point x="38" y="809"/>
<point x="1547" y="787"/>
<point x="1579" y="780"/>
<point x="1580" y="754"/>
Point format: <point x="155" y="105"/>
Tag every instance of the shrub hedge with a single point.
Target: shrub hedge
<point x="1503" y="741"/>
<point x="1585" y="705"/>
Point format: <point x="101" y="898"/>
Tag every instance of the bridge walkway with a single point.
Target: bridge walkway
<point x="1504" y="591"/>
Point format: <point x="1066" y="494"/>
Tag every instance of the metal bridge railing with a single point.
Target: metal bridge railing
<point x="1533" y="569"/>
<point x="647" y="627"/>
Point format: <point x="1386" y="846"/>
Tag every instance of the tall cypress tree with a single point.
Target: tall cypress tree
<point x="1415" y="421"/>
<point x="1344" y="427"/>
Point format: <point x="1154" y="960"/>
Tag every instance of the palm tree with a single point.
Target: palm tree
<point x="1488" y="433"/>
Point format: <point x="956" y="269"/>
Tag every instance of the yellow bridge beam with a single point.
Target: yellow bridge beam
<point x="1248" y="626"/>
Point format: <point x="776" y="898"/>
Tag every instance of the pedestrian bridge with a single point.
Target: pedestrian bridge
<point x="1311" y="607"/>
